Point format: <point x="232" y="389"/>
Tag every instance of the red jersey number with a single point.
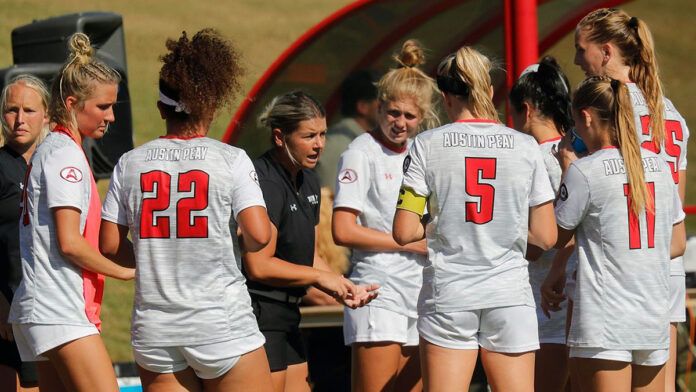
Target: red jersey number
<point x="477" y="169"/>
<point x="634" y="241"/>
<point x="673" y="133"/>
<point x="188" y="226"/>
<point x="24" y="212"/>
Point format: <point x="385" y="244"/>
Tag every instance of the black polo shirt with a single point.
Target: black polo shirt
<point x="293" y="211"/>
<point x="13" y="169"/>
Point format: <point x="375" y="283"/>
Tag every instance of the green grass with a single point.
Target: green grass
<point x="262" y="29"/>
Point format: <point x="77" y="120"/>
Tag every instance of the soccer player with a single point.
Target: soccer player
<point x="193" y="326"/>
<point x="383" y="334"/>
<point x="610" y="42"/>
<point x="541" y="107"/>
<point x="55" y="310"/>
<point x="488" y="196"/>
<point x="280" y="272"/>
<point x="621" y="204"/>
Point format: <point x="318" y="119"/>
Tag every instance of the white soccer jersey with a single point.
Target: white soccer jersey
<point x="178" y="198"/>
<point x="674" y="148"/>
<point x="51" y="291"/>
<point x="480" y="179"/>
<point x="369" y="177"/>
<point x="622" y="289"/>
<point x="550" y="329"/>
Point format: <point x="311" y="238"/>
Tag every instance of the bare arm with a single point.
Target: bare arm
<point x="407" y="227"/>
<point x="114" y="244"/>
<point x="542" y="226"/>
<point x="75" y="248"/>
<point x="255" y="228"/>
<point x="347" y="232"/>
<point x="552" y="289"/>
<point x="678" y="242"/>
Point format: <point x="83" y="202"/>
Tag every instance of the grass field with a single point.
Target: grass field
<point x="263" y="29"/>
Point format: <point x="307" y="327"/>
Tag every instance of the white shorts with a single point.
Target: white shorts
<point x="207" y="360"/>
<point x="35" y="339"/>
<point x="510" y="329"/>
<point x="636" y="357"/>
<point x="375" y="324"/>
<point x="677" y="299"/>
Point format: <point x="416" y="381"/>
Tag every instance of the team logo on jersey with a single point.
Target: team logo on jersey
<point x="71" y="174"/>
<point x="293" y="207"/>
<point x="314" y="199"/>
<point x="254" y="176"/>
<point x="563" y="192"/>
<point x="347" y="176"/>
<point x="407" y="163"/>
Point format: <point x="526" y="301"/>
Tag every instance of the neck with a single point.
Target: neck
<point x="460" y="113"/>
<point x="177" y="129"/>
<point x="282" y="157"/>
<point x="543" y="130"/>
<point x="379" y="134"/>
<point x="25" y="151"/>
<point x="619" y="72"/>
<point x="602" y="140"/>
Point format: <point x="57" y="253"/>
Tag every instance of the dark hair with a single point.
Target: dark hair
<point x="202" y="74"/>
<point x="286" y="111"/>
<point x="358" y="86"/>
<point x="547" y="90"/>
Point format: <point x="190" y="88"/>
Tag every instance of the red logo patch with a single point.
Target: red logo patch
<point x="347" y="176"/>
<point x="71" y="174"/>
<point x="254" y="176"/>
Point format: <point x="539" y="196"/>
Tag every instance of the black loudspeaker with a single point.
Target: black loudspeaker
<point x="41" y="47"/>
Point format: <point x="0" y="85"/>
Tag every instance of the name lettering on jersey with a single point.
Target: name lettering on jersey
<point x="637" y="98"/>
<point x="347" y="176"/>
<point x="176" y="154"/>
<point x="313" y="199"/>
<point x="458" y="139"/>
<point x="293" y="207"/>
<point x="71" y="174"/>
<point x="387" y="176"/>
<point x="617" y="166"/>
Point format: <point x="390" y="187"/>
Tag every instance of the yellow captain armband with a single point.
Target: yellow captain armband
<point x="409" y="200"/>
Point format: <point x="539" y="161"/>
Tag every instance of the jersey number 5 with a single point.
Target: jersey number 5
<point x="634" y="226"/>
<point x="477" y="169"/>
<point x="187" y="226"/>
<point x="673" y="134"/>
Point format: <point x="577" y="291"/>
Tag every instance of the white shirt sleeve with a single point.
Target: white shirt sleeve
<point x="114" y="208"/>
<point x="353" y="180"/>
<point x="685" y="134"/>
<point x="573" y="199"/>
<point x="541" y="190"/>
<point x="68" y="178"/>
<point x="246" y="192"/>
<point x="414" y="168"/>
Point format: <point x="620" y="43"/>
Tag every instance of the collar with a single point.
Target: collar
<point x="390" y="148"/>
<point x="551" y="140"/>
<point x="477" y="120"/>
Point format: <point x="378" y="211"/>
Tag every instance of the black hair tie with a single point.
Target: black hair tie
<point x="614" y="85"/>
<point x="454" y="86"/>
<point x="633" y="23"/>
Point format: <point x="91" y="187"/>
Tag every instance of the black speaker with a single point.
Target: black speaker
<point x="41" y="47"/>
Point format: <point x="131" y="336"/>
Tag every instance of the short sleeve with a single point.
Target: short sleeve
<point x="114" y="208"/>
<point x="67" y="178"/>
<point x="678" y="214"/>
<point x="414" y="168"/>
<point x="246" y="191"/>
<point x="274" y="197"/>
<point x="353" y="180"/>
<point x="685" y="134"/>
<point x="541" y="190"/>
<point x="573" y="199"/>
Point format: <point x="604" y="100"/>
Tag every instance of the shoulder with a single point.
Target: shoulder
<point x="362" y="143"/>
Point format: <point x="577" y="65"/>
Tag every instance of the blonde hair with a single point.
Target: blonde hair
<point x="610" y="101"/>
<point x="407" y="80"/>
<point x="469" y="66"/>
<point x="634" y="40"/>
<point x="77" y="78"/>
<point x="39" y="88"/>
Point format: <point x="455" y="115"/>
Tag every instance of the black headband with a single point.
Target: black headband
<point x="454" y="86"/>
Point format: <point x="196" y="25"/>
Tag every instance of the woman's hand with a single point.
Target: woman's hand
<point x="364" y="294"/>
<point x="552" y="291"/>
<point x="565" y="154"/>
<point x="334" y="284"/>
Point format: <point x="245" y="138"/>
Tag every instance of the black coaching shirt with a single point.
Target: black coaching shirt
<point x="293" y="211"/>
<point x="13" y="169"/>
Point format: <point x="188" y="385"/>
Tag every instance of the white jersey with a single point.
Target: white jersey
<point x="369" y="177"/>
<point x="622" y="289"/>
<point x="480" y="179"/>
<point x="674" y="148"/>
<point x="178" y="198"/>
<point x="554" y="327"/>
<point x="51" y="291"/>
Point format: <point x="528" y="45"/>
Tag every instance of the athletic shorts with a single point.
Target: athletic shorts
<point x="35" y="339"/>
<point x="677" y="299"/>
<point x="636" y="357"/>
<point x="279" y="323"/>
<point x="207" y="360"/>
<point x="374" y="324"/>
<point x="510" y="329"/>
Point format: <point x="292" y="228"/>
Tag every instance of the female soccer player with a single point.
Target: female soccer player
<point x="383" y="334"/>
<point x="193" y="327"/>
<point x="280" y="272"/>
<point x="622" y="209"/>
<point x="541" y="107"/>
<point x="610" y="42"/>
<point x="55" y="310"/>
<point x="488" y="196"/>
<point x="24" y="107"/>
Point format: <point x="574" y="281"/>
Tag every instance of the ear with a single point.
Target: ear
<point x="70" y="103"/>
<point x="586" y="117"/>
<point x="277" y="137"/>
<point x="608" y="51"/>
<point x="492" y="91"/>
<point x="163" y="115"/>
<point x="527" y="107"/>
<point x="362" y="107"/>
<point x="447" y="99"/>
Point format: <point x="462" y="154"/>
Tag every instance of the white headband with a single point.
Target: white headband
<point x="178" y="106"/>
